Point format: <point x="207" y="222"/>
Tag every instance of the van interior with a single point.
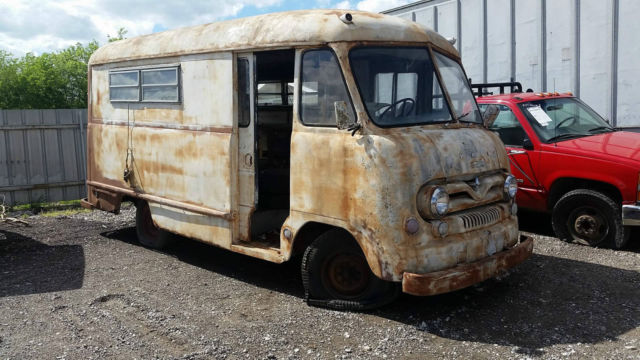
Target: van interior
<point x="274" y="113"/>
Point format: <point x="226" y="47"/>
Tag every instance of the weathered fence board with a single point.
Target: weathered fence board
<point x="42" y="155"/>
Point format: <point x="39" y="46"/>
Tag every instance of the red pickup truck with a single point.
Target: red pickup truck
<point x="570" y="162"/>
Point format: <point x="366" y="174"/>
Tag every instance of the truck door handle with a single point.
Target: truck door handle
<point x="516" y="152"/>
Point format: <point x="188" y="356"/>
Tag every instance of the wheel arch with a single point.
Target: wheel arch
<point x="561" y="186"/>
<point x="312" y="229"/>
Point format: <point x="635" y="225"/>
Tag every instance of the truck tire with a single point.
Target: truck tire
<point x="589" y="217"/>
<point x="335" y="274"/>
<point x="149" y="235"/>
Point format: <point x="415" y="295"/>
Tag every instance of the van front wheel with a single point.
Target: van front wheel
<point x="336" y="275"/>
<point x="148" y="233"/>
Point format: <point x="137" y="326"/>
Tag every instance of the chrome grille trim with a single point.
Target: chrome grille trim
<point x="480" y="218"/>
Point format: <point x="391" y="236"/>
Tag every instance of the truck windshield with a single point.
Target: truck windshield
<point x="556" y="119"/>
<point x="399" y="86"/>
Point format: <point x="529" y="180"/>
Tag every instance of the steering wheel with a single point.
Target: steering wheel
<point x="573" y="118"/>
<point x="406" y="107"/>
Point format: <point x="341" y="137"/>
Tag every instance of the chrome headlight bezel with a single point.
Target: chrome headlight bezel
<point x="510" y="187"/>
<point x="439" y="202"/>
<point x="432" y="202"/>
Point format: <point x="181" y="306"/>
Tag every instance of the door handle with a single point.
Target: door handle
<point x="516" y="152"/>
<point x="248" y="160"/>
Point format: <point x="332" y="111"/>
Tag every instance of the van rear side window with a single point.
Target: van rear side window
<point x="145" y="85"/>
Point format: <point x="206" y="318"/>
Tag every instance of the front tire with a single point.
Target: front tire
<point x="148" y="233"/>
<point x="589" y="217"/>
<point x="336" y="275"/>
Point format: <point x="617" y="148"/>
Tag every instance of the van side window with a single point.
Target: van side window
<point x="321" y="85"/>
<point x="244" y="93"/>
<point x="507" y="126"/>
<point x="124" y="86"/>
<point x="275" y="93"/>
<point x="145" y="85"/>
<point x="270" y="93"/>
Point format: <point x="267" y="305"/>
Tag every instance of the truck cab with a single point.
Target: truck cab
<point x="569" y="162"/>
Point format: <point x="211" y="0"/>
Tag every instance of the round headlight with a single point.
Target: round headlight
<point x="439" y="202"/>
<point x="511" y="186"/>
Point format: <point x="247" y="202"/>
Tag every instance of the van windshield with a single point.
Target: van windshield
<point x="399" y="86"/>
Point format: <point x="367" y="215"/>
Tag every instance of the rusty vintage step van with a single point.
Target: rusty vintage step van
<point x="350" y="139"/>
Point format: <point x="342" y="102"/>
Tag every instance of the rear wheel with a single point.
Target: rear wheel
<point x="336" y="275"/>
<point x="148" y="233"/>
<point x="589" y="217"/>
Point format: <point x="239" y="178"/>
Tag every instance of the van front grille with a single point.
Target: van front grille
<point x="480" y="218"/>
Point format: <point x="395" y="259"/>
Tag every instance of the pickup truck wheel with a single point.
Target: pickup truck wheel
<point x="148" y="233"/>
<point x="336" y="275"/>
<point x="589" y="217"/>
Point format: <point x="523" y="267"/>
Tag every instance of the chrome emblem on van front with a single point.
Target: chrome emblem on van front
<point x="475" y="184"/>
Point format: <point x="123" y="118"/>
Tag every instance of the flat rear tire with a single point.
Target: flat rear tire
<point x="149" y="235"/>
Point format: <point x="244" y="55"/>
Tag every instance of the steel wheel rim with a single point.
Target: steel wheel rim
<point x="346" y="275"/>
<point x="588" y="224"/>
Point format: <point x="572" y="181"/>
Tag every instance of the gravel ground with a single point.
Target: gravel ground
<point x="80" y="287"/>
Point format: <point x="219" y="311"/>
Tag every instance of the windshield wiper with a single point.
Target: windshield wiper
<point x="602" y="128"/>
<point x="564" y="137"/>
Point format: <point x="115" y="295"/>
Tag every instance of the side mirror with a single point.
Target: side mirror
<point x="490" y="114"/>
<point x="343" y="120"/>
<point x="607" y="121"/>
<point x="527" y="144"/>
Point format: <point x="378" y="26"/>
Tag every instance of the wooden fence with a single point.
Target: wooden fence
<point x="42" y="155"/>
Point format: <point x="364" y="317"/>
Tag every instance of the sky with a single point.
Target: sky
<point x="39" y="26"/>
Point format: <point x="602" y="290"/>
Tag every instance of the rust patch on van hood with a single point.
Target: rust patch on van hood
<point x="440" y="153"/>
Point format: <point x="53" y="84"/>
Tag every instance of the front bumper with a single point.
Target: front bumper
<point x="465" y="275"/>
<point x="631" y="215"/>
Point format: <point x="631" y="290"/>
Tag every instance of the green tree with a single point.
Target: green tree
<point x="48" y="81"/>
<point x="121" y="33"/>
<point x="9" y="80"/>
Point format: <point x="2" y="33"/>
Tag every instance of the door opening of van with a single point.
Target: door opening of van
<point x="274" y="112"/>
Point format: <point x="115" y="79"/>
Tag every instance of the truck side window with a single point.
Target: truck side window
<point x="321" y="86"/>
<point x="507" y="126"/>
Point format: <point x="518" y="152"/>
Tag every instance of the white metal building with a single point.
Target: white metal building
<point x="589" y="47"/>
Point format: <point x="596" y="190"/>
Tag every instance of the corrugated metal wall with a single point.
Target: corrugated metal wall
<point x="584" y="46"/>
<point x="42" y="155"/>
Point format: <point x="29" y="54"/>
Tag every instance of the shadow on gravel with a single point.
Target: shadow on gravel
<point x="545" y="301"/>
<point x="31" y="267"/>
<point x="284" y="278"/>
<point x="537" y="223"/>
<point x="540" y="223"/>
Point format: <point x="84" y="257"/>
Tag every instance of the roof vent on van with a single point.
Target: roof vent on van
<point x="346" y="18"/>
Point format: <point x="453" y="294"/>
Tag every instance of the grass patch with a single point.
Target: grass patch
<point x="47" y="206"/>
<point x="65" y="212"/>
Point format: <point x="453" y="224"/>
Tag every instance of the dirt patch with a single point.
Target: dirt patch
<point x="80" y="287"/>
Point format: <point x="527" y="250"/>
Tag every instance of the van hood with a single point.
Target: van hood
<point x="452" y="153"/>
<point x="619" y="146"/>
<point x="467" y="151"/>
